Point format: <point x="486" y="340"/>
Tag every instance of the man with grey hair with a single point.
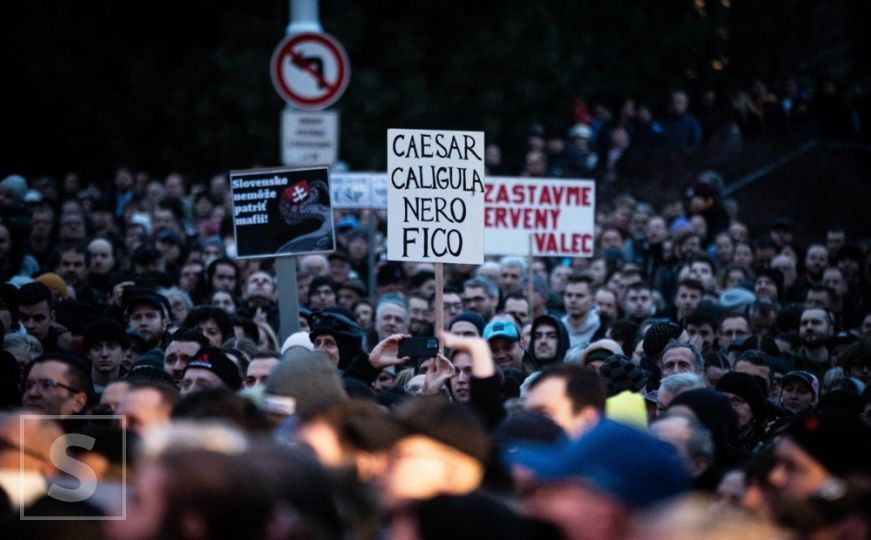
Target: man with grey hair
<point x="391" y="317"/>
<point x="24" y="347"/>
<point x="673" y="385"/>
<point x="511" y="273"/>
<point x="694" y="445"/>
<point x="481" y="296"/>
<point x="680" y="357"/>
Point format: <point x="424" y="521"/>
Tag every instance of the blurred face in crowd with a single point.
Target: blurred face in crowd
<point x="420" y="314"/>
<point x="742" y="409"/>
<point x="703" y="272"/>
<point x="177" y="356"/>
<point x="224" y="300"/>
<point x="796" y="396"/>
<point x="322" y="297"/>
<point x="796" y="474"/>
<point x="48" y="389"/>
<point x="578" y="299"/>
<point x="820" y="299"/>
<point x="224" y="278"/>
<point x="638" y="303"/>
<point x="814" y="328"/>
<point x="36" y="318"/>
<point x="258" y="371"/>
<point x="766" y="289"/>
<point x="452" y="305"/>
<point x="148" y="321"/>
<point x="732" y="329"/>
<point x="260" y="285"/>
<point x="519" y="308"/>
<point x="704" y="334"/>
<point x="143" y="409"/>
<point x="559" y="276"/>
<point x="196" y="379"/>
<point x="606" y="301"/>
<point x="686" y="300"/>
<point x="833" y="278"/>
<point x="743" y="256"/>
<point x="545" y="340"/>
<point x="656" y="230"/>
<point x="509" y="278"/>
<point x="725" y="248"/>
<point x="327" y="344"/>
<point x="113" y="394"/>
<point x="105" y="356"/>
<point x="461" y="381"/>
<point x="816" y="259"/>
<point x="391" y="320"/>
<point x="212" y="331"/>
<point x="476" y="299"/>
<point x="363" y="315"/>
<point x="506" y="353"/>
<point x="678" y="360"/>
<point x="102" y="256"/>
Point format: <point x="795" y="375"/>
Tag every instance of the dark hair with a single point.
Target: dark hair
<point x="202" y="314"/>
<point x="222" y="404"/>
<point x="701" y="317"/>
<point x="213" y="267"/>
<point x="77" y="371"/>
<point x="691" y="283"/>
<point x="578" y="277"/>
<point x="189" y="334"/>
<point x="76" y="247"/>
<point x="583" y="385"/>
<point x="33" y="293"/>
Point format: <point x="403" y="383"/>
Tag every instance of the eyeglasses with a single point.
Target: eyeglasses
<point x="47" y="384"/>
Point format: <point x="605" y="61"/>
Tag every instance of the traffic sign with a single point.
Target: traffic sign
<point x="310" y="70"/>
<point x="309" y="138"/>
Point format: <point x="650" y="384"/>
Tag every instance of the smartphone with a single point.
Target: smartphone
<point x="419" y="347"/>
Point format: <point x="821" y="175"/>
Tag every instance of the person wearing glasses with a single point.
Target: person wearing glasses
<point x="57" y="384"/>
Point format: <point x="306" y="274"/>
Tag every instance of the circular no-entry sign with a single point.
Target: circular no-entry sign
<point x="310" y="70"/>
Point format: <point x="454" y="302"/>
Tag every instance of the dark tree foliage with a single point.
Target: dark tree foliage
<point x="185" y="85"/>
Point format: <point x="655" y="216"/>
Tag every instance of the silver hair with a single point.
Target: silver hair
<point x="681" y="382"/>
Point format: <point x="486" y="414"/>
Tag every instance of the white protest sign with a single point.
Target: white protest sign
<point x="559" y="214"/>
<point x="435" y="196"/>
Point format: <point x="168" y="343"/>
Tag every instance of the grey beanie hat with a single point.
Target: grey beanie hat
<point x="302" y="379"/>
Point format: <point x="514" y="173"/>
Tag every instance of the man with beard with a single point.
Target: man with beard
<point x="105" y="342"/>
<point x="72" y="264"/>
<point x="259" y="295"/>
<point x="102" y="264"/>
<point x="815" y="329"/>
<point x="183" y="345"/>
<point x="149" y="314"/>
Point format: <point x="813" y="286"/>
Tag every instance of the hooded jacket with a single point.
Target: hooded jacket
<point x="562" y="344"/>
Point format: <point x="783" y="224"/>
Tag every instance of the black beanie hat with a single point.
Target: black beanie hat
<point x="105" y="330"/>
<point x="658" y="336"/>
<point x="840" y="442"/>
<point x="347" y="333"/>
<point x="619" y="373"/>
<point x="472" y="317"/>
<point x="746" y="387"/>
<point x="774" y="275"/>
<point x="214" y="360"/>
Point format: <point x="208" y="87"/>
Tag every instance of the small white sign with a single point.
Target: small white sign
<point x="309" y="138"/>
<point x="435" y="196"/>
<point x="356" y="190"/>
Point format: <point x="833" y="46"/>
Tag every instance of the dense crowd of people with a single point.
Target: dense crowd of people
<point x="693" y="379"/>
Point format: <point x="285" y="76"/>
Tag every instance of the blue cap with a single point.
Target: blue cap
<point x="348" y="222"/>
<point x="503" y="329"/>
<point x="619" y="460"/>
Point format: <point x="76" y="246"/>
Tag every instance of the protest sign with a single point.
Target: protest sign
<point x="559" y="214"/>
<point x="281" y="212"/>
<point x="435" y="196"/>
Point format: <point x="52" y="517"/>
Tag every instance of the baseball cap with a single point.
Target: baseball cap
<point x="501" y="329"/>
<point x="805" y="377"/>
<point x="619" y="460"/>
<point x="152" y="298"/>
